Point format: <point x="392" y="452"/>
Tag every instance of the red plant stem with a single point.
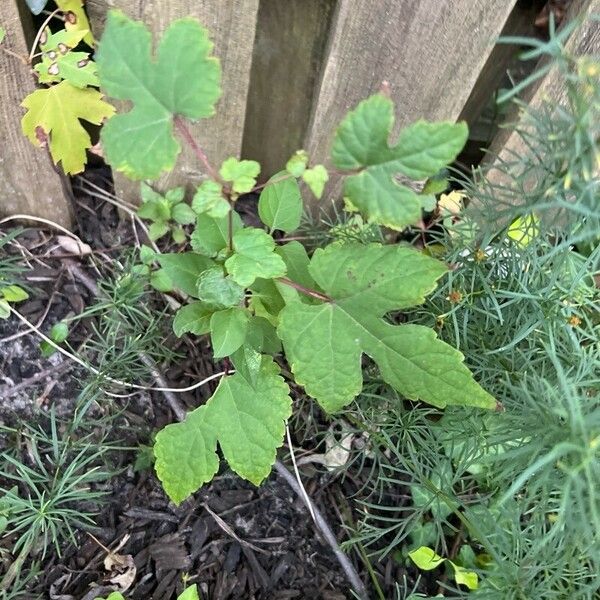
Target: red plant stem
<point x="304" y="290"/>
<point x="230" y="226"/>
<point x="187" y="136"/>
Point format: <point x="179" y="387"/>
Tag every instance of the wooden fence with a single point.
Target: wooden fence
<point x="291" y="70"/>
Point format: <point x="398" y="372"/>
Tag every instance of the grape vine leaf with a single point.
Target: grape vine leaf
<point x="241" y="173"/>
<point x="254" y="256"/>
<point x="280" y="203"/>
<point x="247" y="420"/>
<point x="54" y="113"/>
<point x="183" y="80"/>
<point x="76" y="19"/>
<point x="361" y="142"/>
<point x="60" y="62"/>
<point x="209" y="199"/>
<point x="74" y="67"/>
<point x="324" y="343"/>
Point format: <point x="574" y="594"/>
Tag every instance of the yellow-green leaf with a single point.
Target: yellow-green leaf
<point x="76" y="19"/>
<point x="465" y="577"/>
<point x="524" y="230"/>
<point x="55" y="114"/>
<point x="425" y="558"/>
<point x="13" y="293"/>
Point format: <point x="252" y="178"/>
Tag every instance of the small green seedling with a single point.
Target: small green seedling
<point x="427" y="560"/>
<point x="10" y="294"/>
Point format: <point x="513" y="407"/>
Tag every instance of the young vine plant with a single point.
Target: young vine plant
<point x="259" y="299"/>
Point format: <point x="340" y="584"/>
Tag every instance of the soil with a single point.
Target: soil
<point x="234" y="540"/>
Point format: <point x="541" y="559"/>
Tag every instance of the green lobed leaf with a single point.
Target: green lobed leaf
<point x="183" y="79"/>
<point x="266" y="300"/>
<point x="178" y="234"/>
<point x="218" y="289"/>
<point x="247" y="362"/>
<point x="193" y="318"/>
<point x="241" y="173"/>
<point x="324" y="343"/>
<point x="316" y="178"/>
<point x="74" y="67"/>
<point x="186" y="454"/>
<point x="248" y="422"/>
<point x="76" y="19"/>
<point x="297" y="163"/>
<point x="160" y="281"/>
<point x="210" y="235"/>
<point x="209" y="199"/>
<point x="158" y="229"/>
<point x="62" y="40"/>
<point x="297" y="262"/>
<point x="183" y="214"/>
<point x="254" y="256"/>
<point x="280" y="203"/>
<point x="147" y="254"/>
<point x="185" y="269"/>
<point x="361" y="142"/>
<point x="228" y="330"/>
<point x="154" y="206"/>
<point x="175" y="195"/>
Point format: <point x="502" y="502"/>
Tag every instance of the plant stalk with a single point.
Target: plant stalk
<point x="200" y="154"/>
<point x="304" y="290"/>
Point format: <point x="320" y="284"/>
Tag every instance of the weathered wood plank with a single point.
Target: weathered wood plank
<point x="28" y="182"/>
<point x="232" y="26"/>
<point x="521" y="22"/>
<point x="584" y="40"/>
<point x="289" y="45"/>
<point x="431" y="53"/>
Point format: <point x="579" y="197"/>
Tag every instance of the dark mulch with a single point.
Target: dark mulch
<point x="234" y="540"/>
<point x="277" y="554"/>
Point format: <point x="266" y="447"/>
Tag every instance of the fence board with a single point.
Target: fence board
<point x="28" y="182"/>
<point x="232" y="27"/>
<point x="290" y="40"/>
<point x="430" y="51"/>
